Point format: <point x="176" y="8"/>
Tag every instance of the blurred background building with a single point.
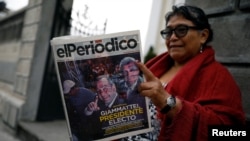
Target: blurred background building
<point x="29" y="88"/>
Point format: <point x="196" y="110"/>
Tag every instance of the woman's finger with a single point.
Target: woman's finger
<point x="149" y="76"/>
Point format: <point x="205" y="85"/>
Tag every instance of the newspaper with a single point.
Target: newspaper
<point x="98" y="81"/>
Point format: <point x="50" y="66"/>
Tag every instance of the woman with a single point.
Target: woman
<point x="190" y="89"/>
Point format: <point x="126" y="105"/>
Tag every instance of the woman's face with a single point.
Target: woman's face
<point x="181" y="49"/>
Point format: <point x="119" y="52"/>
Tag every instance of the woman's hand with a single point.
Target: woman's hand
<point x="152" y="88"/>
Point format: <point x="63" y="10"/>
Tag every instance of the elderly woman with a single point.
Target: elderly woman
<point x="189" y="88"/>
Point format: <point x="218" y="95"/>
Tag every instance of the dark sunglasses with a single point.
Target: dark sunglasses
<point x="179" y="31"/>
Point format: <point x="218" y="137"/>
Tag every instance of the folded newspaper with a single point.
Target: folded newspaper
<point x="98" y="80"/>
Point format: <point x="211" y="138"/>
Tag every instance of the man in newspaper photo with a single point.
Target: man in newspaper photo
<point x="106" y="95"/>
<point x="131" y="81"/>
<point x="76" y="99"/>
<point x="128" y="86"/>
<point x="106" y="98"/>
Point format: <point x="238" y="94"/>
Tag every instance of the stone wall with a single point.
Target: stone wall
<point x="10" y="43"/>
<point x="23" y="55"/>
<point x="36" y="34"/>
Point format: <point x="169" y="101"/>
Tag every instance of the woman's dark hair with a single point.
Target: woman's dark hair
<point x="195" y="15"/>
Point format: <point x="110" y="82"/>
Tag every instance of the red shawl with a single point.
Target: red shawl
<point x="208" y="93"/>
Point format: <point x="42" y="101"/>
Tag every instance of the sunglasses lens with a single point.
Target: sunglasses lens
<point x="163" y="34"/>
<point x="181" y="31"/>
<point x="166" y="33"/>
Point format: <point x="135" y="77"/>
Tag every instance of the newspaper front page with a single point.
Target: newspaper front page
<point x="98" y="81"/>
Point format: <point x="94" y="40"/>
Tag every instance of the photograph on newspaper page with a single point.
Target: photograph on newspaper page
<point x="98" y="80"/>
